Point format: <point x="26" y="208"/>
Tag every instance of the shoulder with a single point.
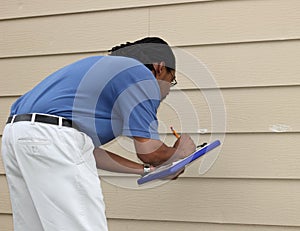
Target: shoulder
<point x="125" y="70"/>
<point x="124" y="64"/>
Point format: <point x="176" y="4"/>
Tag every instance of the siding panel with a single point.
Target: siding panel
<point x="250" y="64"/>
<point x="5" y="206"/>
<point x="227" y="21"/>
<point x="216" y="22"/>
<point x="248" y="110"/>
<point x="15" y="9"/>
<point x="5" y="103"/>
<point x="2" y="171"/>
<point x="231" y="65"/>
<point x="276" y="156"/>
<point x="136" y="225"/>
<point x="249" y="155"/>
<point x="202" y="200"/>
<point x="6" y="222"/>
<point x="22" y="74"/>
<point x="75" y="33"/>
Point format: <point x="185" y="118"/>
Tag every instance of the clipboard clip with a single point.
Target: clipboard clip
<point x="201" y="145"/>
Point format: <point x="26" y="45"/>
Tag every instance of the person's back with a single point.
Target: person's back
<point x="87" y="92"/>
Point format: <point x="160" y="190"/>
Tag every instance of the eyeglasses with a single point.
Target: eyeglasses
<point x="173" y="81"/>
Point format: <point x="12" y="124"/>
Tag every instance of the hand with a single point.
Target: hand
<point x="185" y="146"/>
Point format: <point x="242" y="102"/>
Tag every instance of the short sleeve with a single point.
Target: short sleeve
<point x="137" y="106"/>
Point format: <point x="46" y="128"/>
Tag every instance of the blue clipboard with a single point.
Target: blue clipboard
<point x="170" y="169"/>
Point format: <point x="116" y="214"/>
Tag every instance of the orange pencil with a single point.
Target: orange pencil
<point x="174" y="132"/>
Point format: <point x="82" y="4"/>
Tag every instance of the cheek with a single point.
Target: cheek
<point x="164" y="84"/>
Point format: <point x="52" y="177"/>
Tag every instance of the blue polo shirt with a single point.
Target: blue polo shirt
<point x="105" y="96"/>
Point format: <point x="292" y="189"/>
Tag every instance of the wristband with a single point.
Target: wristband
<point x="147" y="169"/>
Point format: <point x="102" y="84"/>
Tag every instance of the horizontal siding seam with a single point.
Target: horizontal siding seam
<point x="218" y="178"/>
<point x="208" y="223"/>
<point x="210" y="178"/>
<point x="296" y="85"/>
<point x="179" y="46"/>
<point x="203" y="89"/>
<point x="234" y="133"/>
<point x="215" y="178"/>
<point x="5" y="213"/>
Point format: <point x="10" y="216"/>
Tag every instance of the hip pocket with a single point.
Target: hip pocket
<point x="35" y="146"/>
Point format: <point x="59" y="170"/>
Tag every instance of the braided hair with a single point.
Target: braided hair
<point x="148" y="50"/>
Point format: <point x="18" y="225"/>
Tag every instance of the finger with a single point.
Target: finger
<point x="178" y="174"/>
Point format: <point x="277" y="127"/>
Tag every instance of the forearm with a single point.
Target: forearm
<point x="162" y="155"/>
<point x="156" y="153"/>
<point x="114" y="163"/>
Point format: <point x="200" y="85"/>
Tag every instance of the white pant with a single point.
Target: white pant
<point x="52" y="177"/>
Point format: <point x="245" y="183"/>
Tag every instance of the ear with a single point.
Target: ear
<point x="158" y="68"/>
<point x="161" y="66"/>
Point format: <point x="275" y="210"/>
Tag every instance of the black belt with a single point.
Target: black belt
<point x="41" y="119"/>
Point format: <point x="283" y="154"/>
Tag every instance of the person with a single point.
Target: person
<point x="52" y="140"/>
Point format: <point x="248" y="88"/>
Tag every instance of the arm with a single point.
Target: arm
<point x="111" y="162"/>
<point x="155" y="152"/>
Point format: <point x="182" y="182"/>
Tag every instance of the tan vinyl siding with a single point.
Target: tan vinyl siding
<point x="244" y="155"/>
<point x="6" y="222"/>
<point x="227" y="21"/>
<point x="137" y="225"/>
<point x="75" y="33"/>
<point x="184" y="24"/>
<point x="2" y="171"/>
<point x="231" y="201"/>
<point x="244" y="107"/>
<point x="31" y="8"/>
<point x="238" y="160"/>
<point x="232" y="65"/>
<point x="251" y="48"/>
